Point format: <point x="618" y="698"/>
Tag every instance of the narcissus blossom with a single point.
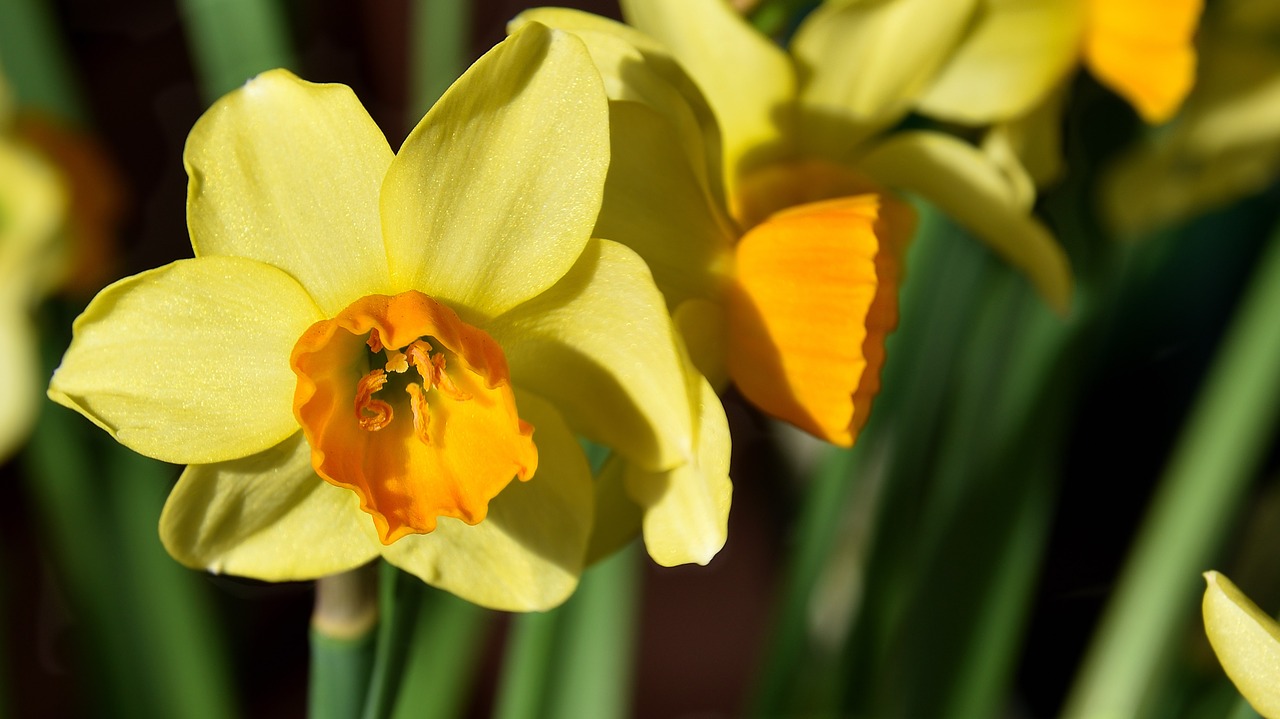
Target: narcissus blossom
<point x="1224" y="144"/>
<point x="32" y="217"/>
<point x="755" y="184"/>
<point x="1018" y="51"/>
<point x="395" y="354"/>
<point x="1247" y="642"/>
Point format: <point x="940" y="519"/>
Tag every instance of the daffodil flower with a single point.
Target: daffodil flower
<point x="369" y="347"/>
<point x="1224" y="145"/>
<point x="1247" y="643"/>
<point x="1019" y="51"/>
<point x="752" y="182"/>
<point x="32" y="213"/>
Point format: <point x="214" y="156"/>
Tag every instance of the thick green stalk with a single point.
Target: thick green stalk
<point x="401" y="600"/>
<point x="233" y="40"/>
<point x="597" y="641"/>
<point x="1229" y="430"/>
<point x="526" y="665"/>
<point x="34" y="61"/>
<point x="438" y="51"/>
<point x="178" y="648"/>
<point x="343" y="627"/>
<point x="446" y="644"/>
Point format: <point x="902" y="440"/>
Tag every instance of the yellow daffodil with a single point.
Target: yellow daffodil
<point x="1247" y="643"/>
<point x="32" y="212"/>
<point x="369" y="346"/>
<point x="1225" y="144"/>
<point x="1019" y="51"/>
<point x="752" y="182"/>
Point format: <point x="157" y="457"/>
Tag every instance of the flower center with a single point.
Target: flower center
<point x="411" y="408"/>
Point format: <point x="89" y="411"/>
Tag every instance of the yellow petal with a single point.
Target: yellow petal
<point x="618" y="517"/>
<point x="816" y="296"/>
<point x="33" y="204"/>
<point x="704" y="327"/>
<point x="267" y="516"/>
<point x="1030" y="145"/>
<point x="494" y="194"/>
<point x="748" y="81"/>
<point x="19" y="374"/>
<point x="1015" y="55"/>
<point x="287" y="173"/>
<point x="969" y="188"/>
<point x="863" y="63"/>
<point x="655" y="205"/>
<point x="600" y="346"/>
<point x="638" y="69"/>
<point x="1247" y="642"/>
<point x="1143" y="50"/>
<point x="528" y="553"/>
<point x="189" y="363"/>
<point x="1223" y="146"/>
<point x="686" y="509"/>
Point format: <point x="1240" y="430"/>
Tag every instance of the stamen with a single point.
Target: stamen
<point x="443" y="381"/>
<point x="372" y="414"/>
<point x="396" y="361"/>
<point x="374" y="341"/>
<point x="421" y="412"/>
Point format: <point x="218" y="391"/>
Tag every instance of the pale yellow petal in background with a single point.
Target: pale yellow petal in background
<point x="749" y="81"/>
<point x="1142" y="49"/>
<point x="1223" y="146"/>
<point x="1016" y="54"/>
<point x="618" y="517"/>
<point x="528" y="553"/>
<point x="686" y="510"/>
<point x="20" y="377"/>
<point x="288" y="173"/>
<point x="704" y="327"/>
<point x="189" y="363"/>
<point x="968" y="187"/>
<point x="862" y="64"/>
<point x="494" y="194"/>
<point x="267" y="516"/>
<point x="1247" y="643"/>
<point x="638" y="69"/>
<point x="599" y="345"/>
<point x="655" y="205"/>
<point x="1030" y="145"/>
<point x="33" y="206"/>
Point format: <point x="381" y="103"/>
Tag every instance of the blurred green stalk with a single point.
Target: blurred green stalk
<point x="233" y="40"/>
<point x="438" y="51"/>
<point x="1228" y="432"/>
<point x="576" y="660"/>
<point x="526" y="665"/>
<point x="343" y="627"/>
<point x="442" y="659"/>
<point x="33" y="59"/>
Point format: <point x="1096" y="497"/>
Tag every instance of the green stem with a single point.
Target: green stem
<point x="233" y="40"/>
<point x="438" y="51"/>
<point x="401" y="598"/>
<point x="178" y="648"/>
<point x="818" y="527"/>
<point x="1228" y="432"/>
<point x="342" y="643"/>
<point x="526" y="665"/>
<point x="446" y="644"/>
<point x="597" y="640"/>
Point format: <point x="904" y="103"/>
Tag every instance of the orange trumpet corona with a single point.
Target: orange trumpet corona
<point x="411" y="408"/>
